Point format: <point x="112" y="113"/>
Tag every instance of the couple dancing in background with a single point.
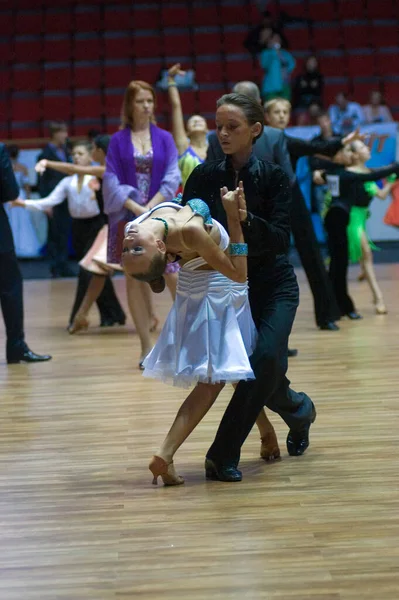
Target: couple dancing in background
<point x="212" y="282"/>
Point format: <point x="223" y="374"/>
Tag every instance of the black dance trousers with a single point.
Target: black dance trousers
<point x="336" y="223"/>
<point x="84" y="232"/>
<point x="57" y="238"/>
<point x="11" y="299"/>
<point x="325" y="304"/>
<point x="274" y="298"/>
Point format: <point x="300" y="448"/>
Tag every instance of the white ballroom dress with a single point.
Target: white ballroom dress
<point x="209" y="333"/>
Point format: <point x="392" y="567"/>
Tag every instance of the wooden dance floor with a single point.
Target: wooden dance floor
<point x="79" y="516"/>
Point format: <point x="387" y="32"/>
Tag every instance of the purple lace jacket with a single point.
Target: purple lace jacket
<point x="120" y="181"/>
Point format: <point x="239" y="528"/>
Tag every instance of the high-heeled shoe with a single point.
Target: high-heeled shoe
<point x="380" y="308"/>
<point x="154" y="323"/>
<point x="142" y="359"/>
<point x="269" y="449"/>
<point x="160" y="468"/>
<point x="80" y="323"/>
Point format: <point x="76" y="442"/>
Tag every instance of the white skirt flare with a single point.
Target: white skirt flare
<point x="208" y="335"/>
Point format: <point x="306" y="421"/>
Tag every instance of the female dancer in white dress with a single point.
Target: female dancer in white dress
<point x="209" y="332"/>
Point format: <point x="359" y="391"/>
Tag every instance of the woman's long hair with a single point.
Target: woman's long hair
<point x="132" y="90"/>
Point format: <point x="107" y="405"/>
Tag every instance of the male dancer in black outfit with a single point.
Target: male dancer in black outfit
<point x="273" y="289"/>
<point x="59" y="223"/>
<point x="275" y="146"/>
<point x="10" y="276"/>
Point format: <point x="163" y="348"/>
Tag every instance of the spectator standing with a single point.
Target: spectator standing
<point x="278" y="65"/>
<point x="309" y="86"/>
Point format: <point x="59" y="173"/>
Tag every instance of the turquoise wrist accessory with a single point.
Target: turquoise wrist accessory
<point x="238" y="249"/>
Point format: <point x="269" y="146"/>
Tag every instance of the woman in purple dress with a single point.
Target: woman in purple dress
<point x="141" y="171"/>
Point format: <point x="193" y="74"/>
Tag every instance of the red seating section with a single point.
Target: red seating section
<point x="70" y="60"/>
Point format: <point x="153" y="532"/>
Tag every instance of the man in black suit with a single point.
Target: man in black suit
<point x="271" y="146"/>
<point x="10" y="277"/>
<point x="60" y="221"/>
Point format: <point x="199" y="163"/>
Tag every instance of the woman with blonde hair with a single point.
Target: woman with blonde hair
<point x="141" y="172"/>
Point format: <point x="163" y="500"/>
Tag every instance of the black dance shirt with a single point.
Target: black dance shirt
<point x="347" y="187"/>
<point x="268" y="197"/>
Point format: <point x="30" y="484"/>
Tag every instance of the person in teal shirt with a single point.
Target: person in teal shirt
<point x="278" y="65"/>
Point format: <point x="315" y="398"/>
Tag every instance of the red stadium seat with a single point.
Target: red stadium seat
<point x="5" y="79"/>
<point x="209" y="72"/>
<point x="391" y="93"/>
<point x="88" y="19"/>
<point x="4" y="114"/>
<point x="205" y="16"/>
<point x="327" y="37"/>
<point x="29" y="22"/>
<point x="361" y="90"/>
<point x="381" y="9"/>
<point x="57" y="78"/>
<point x="233" y="41"/>
<point x="295" y="8"/>
<point x="148" y="72"/>
<point x="27" y="50"/>
<point x="239" y="70"/>
<point x="384" y="35"/>
<point x="235" y="14"/>
<point x="322" y="10"/>
<point x="254" y="14"/>
<point x="6" y="51"/>
<point x="387" y="64"/>
<point x="147" y="46"/>
<point x="332" y="66"/>
<point x="113" y="104"/>
<point x="87" y="49"/>
<point x="25" y="109"/>
<point x="118" y="47"/>
<point x="208" y="98"/>
<point x="332" y="89"/>
<point x="176" y="44"/>
<point x="351" y="9"/>
<point x="189" y="103"/>
<point x="207" y="43"/>
<point x="87" y="106"/>
<point x="57" y="49"/>
<point x="172" y="16"/>
<point x="356" y="35"/>
<point x="87" y="76"/>
<point x="299" y="65"/>
<point x="361" y="64"/>
<point x="57" y="21"/>
<point x="57" y="106"/>
<point x="298" y="37"/>
<point x="80" y="130"/>
<point x="118" y="20"/>
<point x="6" y="24"/>
<point x="27" y="80"/>
<point x="117" y="76"/>
<point x="111" y="127"/>
<point x="24" y="133"/>
<point x="148" y="17"/>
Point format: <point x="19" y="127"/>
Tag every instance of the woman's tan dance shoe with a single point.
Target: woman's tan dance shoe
<point x="160" y="468"/>
<point x="80" y="323"/>
<point x="269" y="449"/>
